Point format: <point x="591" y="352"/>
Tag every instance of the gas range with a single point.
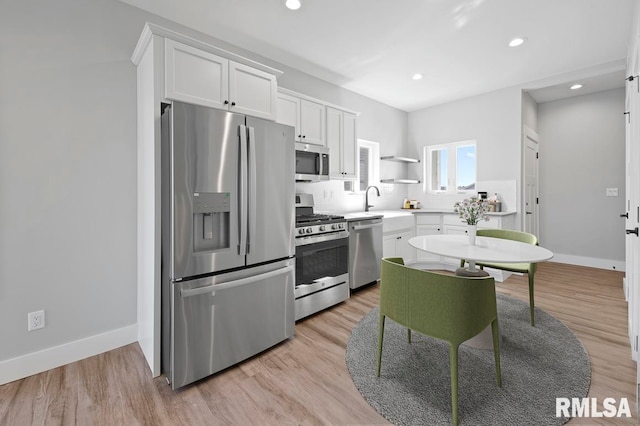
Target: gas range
<point x="322" y="259"/>
<point x="310" y="224"/>
<point x="319" y="224"/>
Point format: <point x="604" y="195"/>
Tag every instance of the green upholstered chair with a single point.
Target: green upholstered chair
<point x="524" y="268"/>
<point x="446" y="307"/>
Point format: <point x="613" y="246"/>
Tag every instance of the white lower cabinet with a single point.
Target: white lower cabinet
<point x="397" y="245"/>
<point x="428" y="224"/>
<point x="396" y="232"/>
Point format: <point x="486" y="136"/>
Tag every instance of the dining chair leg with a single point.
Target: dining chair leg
<point x="453" y="364"/>
<point x="380" y="337"/>
<point x="409" y="335"/>
<point x="531" y="302"/>
<point x="496" y="350"/>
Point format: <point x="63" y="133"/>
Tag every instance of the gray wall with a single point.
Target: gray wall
<point x="492" y="119"/>
<point x="582" y="153"/>
<point x="68" y="164"/>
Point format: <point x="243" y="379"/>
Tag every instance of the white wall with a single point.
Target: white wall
<point x="494" y="121"/>
<point x="68" y="174"/>
<point x="581" y="154"/>
<point x="529" y="112"/>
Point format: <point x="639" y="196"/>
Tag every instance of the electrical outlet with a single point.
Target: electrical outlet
<point x="36" y="320"/>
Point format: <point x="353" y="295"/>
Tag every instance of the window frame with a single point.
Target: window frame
<point x="374" y="163"/>
<point x="452" y="166"/>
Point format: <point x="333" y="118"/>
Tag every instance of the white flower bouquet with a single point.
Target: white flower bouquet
<point x="472" y="210"/>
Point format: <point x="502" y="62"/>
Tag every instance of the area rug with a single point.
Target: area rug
<point x="539" y="364"/>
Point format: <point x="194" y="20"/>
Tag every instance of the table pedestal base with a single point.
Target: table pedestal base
<point x="467" y="272"/>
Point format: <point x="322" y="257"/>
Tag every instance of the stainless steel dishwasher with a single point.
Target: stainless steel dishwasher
<point x="365" y="250"/>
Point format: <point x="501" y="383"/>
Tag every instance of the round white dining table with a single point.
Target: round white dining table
<point x="486" y="249"/>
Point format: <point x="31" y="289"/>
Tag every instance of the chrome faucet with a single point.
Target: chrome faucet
<point x="366" y="197"/>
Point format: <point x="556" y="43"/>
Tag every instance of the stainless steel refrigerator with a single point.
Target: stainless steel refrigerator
<point x="228" y="221"/>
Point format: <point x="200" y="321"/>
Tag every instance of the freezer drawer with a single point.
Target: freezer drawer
<point x="220" y="321"/>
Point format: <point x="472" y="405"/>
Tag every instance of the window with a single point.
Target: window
<point x="450" y="168"/>
<point x="368" y="164"/>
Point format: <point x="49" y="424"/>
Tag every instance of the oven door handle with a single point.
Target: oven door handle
<point x="361" y="227"/>
<point x="303" y="241"/>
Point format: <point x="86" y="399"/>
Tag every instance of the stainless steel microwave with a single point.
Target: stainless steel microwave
<point x="312" y="162"/>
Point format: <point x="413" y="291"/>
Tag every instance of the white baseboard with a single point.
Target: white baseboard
<point x="593" y="262"/>
<point x="46" y="359"/>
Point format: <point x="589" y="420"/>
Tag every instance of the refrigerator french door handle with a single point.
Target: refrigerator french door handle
<point x="253" y="185"/>
<point x="234" y="283"/>
<point x="242" y="201"/>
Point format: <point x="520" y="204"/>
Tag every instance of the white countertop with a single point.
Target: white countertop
<point x="403" y="212"/>
<point x="450" y="211"/>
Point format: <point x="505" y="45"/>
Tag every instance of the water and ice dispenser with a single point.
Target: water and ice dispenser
<point x="211" y="221"/>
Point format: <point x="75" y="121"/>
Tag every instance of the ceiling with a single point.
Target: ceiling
<point x="459" y="46"/>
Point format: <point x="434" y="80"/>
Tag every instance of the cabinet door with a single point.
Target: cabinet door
<point x="349" y="146"/>
<point x="454" y="229"/>
<point x="312" y="122"/>
<point x="423" y="256"/>
<point x="252" y="91"/>
<point x="288" y="112"/>
<point x="397" y="245"/>
<point x="403" y="249"/>
<point x="195" y="76"/>
<point x="389" y="245"/>
<point x="334" y="142"/>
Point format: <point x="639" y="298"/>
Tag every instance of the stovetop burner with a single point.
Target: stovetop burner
<point x="305" y="219"/>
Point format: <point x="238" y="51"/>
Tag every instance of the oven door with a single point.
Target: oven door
<point x="321" y="261"/>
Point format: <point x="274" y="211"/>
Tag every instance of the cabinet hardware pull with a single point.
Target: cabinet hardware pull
<point x="233" y="104"/>
<point x="625" y="215"/>
<point x="226" y="102"/>
<point x="632" y="231"/>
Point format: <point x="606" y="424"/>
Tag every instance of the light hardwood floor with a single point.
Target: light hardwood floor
<point x="305" y="379"/>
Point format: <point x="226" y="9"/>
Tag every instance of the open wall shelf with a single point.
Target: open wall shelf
<point x="399" y="181"/>
<point x="399" y="159"/>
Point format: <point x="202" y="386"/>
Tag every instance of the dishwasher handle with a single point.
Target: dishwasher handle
<point x="368" y="226"/>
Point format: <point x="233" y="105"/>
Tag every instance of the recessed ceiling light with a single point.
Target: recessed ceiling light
<point x="518" y="41"/>
<point x="293" y="4"/>
<point x="575" y="86"/>
<point x="417" y="76"/>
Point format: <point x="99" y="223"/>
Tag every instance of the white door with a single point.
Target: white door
<point x="531" y="197"/>
<point x="632" y="219"/>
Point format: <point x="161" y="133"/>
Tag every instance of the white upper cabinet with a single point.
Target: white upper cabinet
<point x="203" y="78"/>
<point x="289" y="112"/>
<point x="341" y="141"/>
<point x="195" y="76"/>
<point x="306" y="116"/>
<point x="252" y="91"/>
<point x="312" y="122"/>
